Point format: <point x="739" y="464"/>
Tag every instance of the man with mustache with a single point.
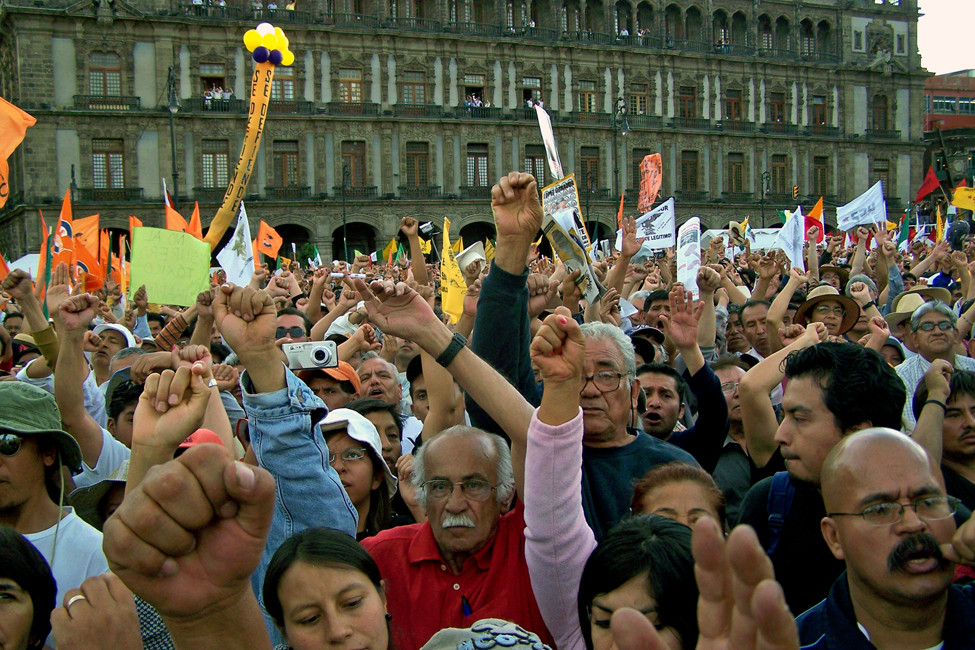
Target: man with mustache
<point x="890" y="521"/>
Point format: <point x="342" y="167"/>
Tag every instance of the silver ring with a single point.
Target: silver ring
<point x="213" y="382"/>
<point x="73" y="600"/>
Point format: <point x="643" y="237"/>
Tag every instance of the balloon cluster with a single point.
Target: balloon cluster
<point x="268" y="43"/>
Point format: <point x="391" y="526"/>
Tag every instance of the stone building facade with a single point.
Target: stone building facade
<point x="745" y="101"/>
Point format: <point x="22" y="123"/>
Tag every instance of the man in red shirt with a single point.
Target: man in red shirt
<point x="467" y="562"/>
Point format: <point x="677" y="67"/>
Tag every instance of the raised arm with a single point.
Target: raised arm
<point x="929" y="430"/>
<point x="812" y="254"/>
<point x="776" y="311"/>
<point x="418" y="263"/>
<point x="631" y="246"/>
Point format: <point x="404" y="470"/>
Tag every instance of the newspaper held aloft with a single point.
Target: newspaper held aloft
<point x="563" y="195"/>
<point x="689" y="255"/>
<point x="656" y="226"/>
<point x="560" y="230"/>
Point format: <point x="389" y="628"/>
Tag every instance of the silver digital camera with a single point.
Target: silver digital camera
<point x="311" y="354"/>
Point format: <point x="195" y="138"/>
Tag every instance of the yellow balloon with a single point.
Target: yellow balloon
<point x="270" y="41"/>
<point x="251" y="39"/>
<point x="279" y="32"/>
<point x="287" y="57"/>
<point x="283" y="43"/>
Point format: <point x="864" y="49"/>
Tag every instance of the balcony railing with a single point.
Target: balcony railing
<point x="420" y="191"/>
<point x="203" y="105"/>
<point x="882" y="134"/>
<point x="776" y="53"/>
<point x="820" y="57"/>
<point x="780" y="128"/>
<point x="415" y="24"/>
<point x="778" y="198"/>
<point x="822" y="130"/>
<point x="692" y="123"/>
<point x="475" y="191"/>
<point x="288" y="192"/>
<point x="352" y="108"/>
<point x="645" y="121"/>
<point x="290" y="107"/>
<point x="106" y="103"/>
<point x="353" y="20"/>
<point x="355" y="192"/>
<point x="476" y="29"/>
<point x="585" y="117"/>
<point x="109" y="195"/>
<point x="737" y="197"/>
<point x="476" y="113"/>
<point x="691" y="196"/>
<point x="738" y="126"/>
<point x="417" y="110"/>
<point x="209" y="193"/>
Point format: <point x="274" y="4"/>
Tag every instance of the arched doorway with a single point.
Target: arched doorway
<point x="361" y="237"/>
<point x="477" y="231"/>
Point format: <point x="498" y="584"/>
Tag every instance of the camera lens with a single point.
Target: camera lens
<point x="320" y="356"/>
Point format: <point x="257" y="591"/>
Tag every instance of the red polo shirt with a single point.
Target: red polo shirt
<point x="424" y="596"/>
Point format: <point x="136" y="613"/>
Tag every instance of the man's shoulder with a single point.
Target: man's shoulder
<point x="662" y="449"/>
<point x="386" y="540"/>
<point x="964" y="363"/>
<point x="813" y="626"/>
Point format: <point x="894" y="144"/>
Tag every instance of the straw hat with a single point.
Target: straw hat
<point x="838" y="270"/>
<point x="929" y="293"/>
<point x="825" y="292"/>
<point x="902" y="308"/>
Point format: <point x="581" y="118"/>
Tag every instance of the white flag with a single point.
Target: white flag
<point x="657" y="225"/>
<point x="237" y="257"/>
<point x="791" y="238"/>
<point x="867" y="209"/>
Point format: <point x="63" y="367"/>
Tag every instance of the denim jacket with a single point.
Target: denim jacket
<point x="308" y="491"/>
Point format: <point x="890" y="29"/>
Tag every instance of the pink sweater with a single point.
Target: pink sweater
<point x="558" y="541"/>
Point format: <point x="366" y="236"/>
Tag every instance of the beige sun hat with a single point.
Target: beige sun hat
<point x="823" y="293"/>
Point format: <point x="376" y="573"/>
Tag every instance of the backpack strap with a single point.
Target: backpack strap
<point x="780" y="496"/>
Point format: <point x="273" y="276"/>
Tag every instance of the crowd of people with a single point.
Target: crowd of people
<point x="781" y="458"/>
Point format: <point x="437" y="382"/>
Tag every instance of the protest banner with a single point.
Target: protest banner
<point x="651" y="174"/>
<point x="173" y="266"/>
<point x="689" y="255"/>
<point x="559" y="229"/>
<point x="867" y="209"/>
<point x="562" y="195"/>
<point x="657" y="226"/>
<point x="964" y="198"/>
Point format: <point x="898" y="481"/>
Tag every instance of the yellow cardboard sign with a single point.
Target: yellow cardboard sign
<point x="174" y="266"/>
<point x="964" y="198"/>
<point x="453" y="288"/>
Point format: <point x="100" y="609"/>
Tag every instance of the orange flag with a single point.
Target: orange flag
<point x="104" y="248"/>
<point x="13" y="126"/>
<point x="134" y="222"/>
<point x="86" y="230"/>
<point x="196" y="226"/>
<point x="175" y="221"/>
<point x="62" y="249"/>
<point x="268" y="240"/>
<point x="4" y="269"/>
<point x="257" y="256"/>
<point x="85" y="263"/>
<point x="815" y="218"/>
<point x="42" y="260"/>
<point x="619" y="214"/>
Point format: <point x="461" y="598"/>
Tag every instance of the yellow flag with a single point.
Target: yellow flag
<point x="939" y="229"/>
<point x="452" y="285"/>
<point x="390" y="249"/>
<point x="964" y="198"/>
<point x="458" y="245"/>
<point x="425" y="247"/>
<point x="488" y="250"/>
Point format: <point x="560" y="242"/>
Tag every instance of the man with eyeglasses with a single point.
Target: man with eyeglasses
<point x="293" y="325"/>
<point x="889" y="520"/>
<point x="934" y="335"/>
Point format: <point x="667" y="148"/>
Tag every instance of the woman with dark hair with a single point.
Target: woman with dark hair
<point x="643" y="563"/>
<point x="681" y="492"/>
<point x="323" y="589"/>
<point x="27" y="593"/>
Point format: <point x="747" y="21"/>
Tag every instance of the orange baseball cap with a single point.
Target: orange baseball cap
<point x="343" y="372"/>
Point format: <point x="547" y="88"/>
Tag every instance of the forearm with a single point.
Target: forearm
<point x="47" y="342"/>
<point x="445" y="411"/>
<point x="511" y="253"/>
<point x="216" y="419"/>
<point x="881" y="275"/>
<point x="616" y="275"/>
<point x="761" y="288"/>
<point x="923" y="265"/>
<point x="174" y="329"/>
<point x="69" y="376"/>
<point x="33" y="313"/>
<point x="418" y="263"/>
<point x="216" y="627"/>
<point x="319" y="329"/>
<point x="265" y="368"/>
<point x="929" y="430"/>
<point x="707" y="325"/>
<point x="202" y="331"/>
<point x="314" y="309"/>
<point x="812" y="261"/>
<point x="776" y="314"/>
<point x="734" y="293"/>
<point x="859" y="258"/>
<point x="465" y="325"/>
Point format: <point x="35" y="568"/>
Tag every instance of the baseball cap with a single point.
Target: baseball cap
<point x="199" y="437"/>
<point x="31" y="411"/>
<point x="650" y="332"/>
<point x="342" y="372"/>
<point x="362" y="430"/>
<point x="121" y="329"/>
<point x="414" y="369"/>
<point x="486" y="633"/>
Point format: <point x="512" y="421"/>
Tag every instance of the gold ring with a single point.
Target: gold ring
<point x="73" y="600"/>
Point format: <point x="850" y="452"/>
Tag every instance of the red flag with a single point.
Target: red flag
<point x="196" y="226"/>
<point x="963" y="183"/>
<point x="930" y="184"/>
<point x="815" y="218"/>
<point x="13" y="125"/>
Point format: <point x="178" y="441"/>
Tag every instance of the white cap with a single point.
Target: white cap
<point x="473" y="252"/>
<point x="121" y="329"/>
<point x="359" y="428"/>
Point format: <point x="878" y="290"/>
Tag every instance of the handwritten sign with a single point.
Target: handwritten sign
<point x="651" y="173"/>
<point x="174" y="266"/>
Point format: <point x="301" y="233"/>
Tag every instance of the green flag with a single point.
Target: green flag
<point x="783" y="215"/>
<point x="905" y="228"/>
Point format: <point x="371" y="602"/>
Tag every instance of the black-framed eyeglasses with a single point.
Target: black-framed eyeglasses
<point x="930" y="508"/>
<point x="295" y="332"/>
<point x="10" y="444"/>
<point x="943" y="325"/>
<point x="824" y="310"/>
<point x="474" y="489"/>
<point x="349" y="455"/>
<point x="605" y="380"/>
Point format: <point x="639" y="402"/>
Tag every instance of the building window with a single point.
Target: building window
<point x="108" y="163"/>
<point x="819" y="110"/>
<point x="414" y="88"/>
<point x="732" y="109"/>
<point x="587" y="96"/>
<point x="639" y="99"/>
<point x="736" y="172"/>
<point x="535" y="162"/>
<point x="688" y="171"/>
<point x="945" y="105"/>
<point x="776" y="105"/>
<point x="589" y="159"/>
<point x="104" y="74"/>
<point x="901" y="44"/>
<point x="687" y="101"/>
<point x="212" y="76"/>
<point x="765" y="37"/>
<point x="881" y="172"/>
<point x="285" y="160"/>
<point x="477" y="165"/>
<point x="531" y="90"/>
<point x="857" y="40"/>
<point x="350" y="86"/>
<point x="807" y="38"/>
<point x="215" y="160"/>
<point x="354" y="157"/>
<point x="474" y="87"/>
<point x="637" y="157"/>
<point x="820" y="175"/>
<point x="966" y="105"/>
<point x="283" y="84"/>
<point x="879" y="112"/>
<point x="417" y="163"/>
<point x="780" y="164"/>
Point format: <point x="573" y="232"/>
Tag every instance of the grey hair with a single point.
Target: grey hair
<point x="860" y="277"/>
<point x="927" y="308"/>
<point x="613" y="334"/>
<point x="491" y="442"/>
<point x="128" y="352"/>
<point x="638" y="295"/>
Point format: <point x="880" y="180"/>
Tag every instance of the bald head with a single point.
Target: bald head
<point x="850" y="459"/>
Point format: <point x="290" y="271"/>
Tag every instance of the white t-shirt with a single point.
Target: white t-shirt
<point x="78" y="555"/>
<point x="113" y="454"/>
<point x="93" y="397"/>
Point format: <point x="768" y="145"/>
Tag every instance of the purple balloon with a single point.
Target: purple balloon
<point x="275" y="57"/>
<point x="261" y="54"/>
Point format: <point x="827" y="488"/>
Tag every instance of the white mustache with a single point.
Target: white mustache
<point x="457" y="521"/>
